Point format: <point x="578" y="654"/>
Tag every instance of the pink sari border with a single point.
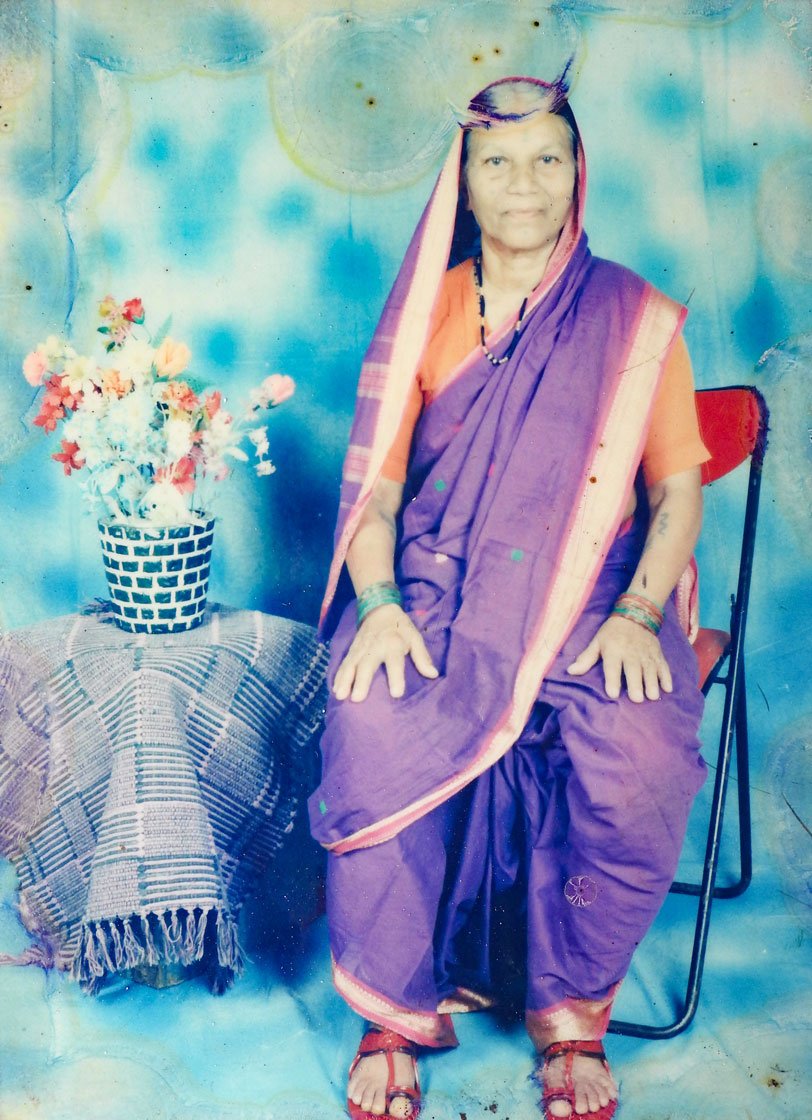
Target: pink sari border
<point x="426" y="1029"/>
<point x="571" y="1019"/>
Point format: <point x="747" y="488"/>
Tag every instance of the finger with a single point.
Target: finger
<point x="665" y="676"/>
<point x="586" y="659"/>
<point x="395" y="674"/>
<point x="651" y="680"/>
<point x="364" y="673"/>
<point x="343" y="680"/>
<point x="611" y="676"/>
<point x="421" y="656"/>
<point x="633" y="673"/>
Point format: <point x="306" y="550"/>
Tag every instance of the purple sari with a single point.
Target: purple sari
<point x="508" y="547"/>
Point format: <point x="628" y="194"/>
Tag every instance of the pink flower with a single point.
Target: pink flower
<point x="133" y="310"/>
<point x="273" y="391"/>
<point x="34" y="367"/>
<point x="70" y="457"/>
<point x="171" y="358"/>
<point x="180" y="474"/>
<point x="117" y="322"/>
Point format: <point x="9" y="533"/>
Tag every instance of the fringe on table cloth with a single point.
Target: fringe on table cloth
<point x="172" y="937"/>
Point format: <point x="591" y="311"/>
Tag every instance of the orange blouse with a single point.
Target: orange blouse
<point x="673" y="444"/>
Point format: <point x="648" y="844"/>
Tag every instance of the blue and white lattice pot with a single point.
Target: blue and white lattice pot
<point x="158" y="576"/>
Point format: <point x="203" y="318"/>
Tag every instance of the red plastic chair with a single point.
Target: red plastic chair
<point x="734" y="424"/>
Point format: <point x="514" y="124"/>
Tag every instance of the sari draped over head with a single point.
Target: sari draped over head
<point x="517" y="485"/>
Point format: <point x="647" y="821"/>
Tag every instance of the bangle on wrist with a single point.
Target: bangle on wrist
<point x="639" y="609"/>
<point x="377" y="595"/>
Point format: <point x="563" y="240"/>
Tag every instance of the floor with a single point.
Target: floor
<point x="276" y="1046"/>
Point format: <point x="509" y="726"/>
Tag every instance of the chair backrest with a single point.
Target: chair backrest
<point x="733" y="423"/>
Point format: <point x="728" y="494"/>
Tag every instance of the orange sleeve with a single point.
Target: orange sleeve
<point x="397" y="461"/>
<point x="674" y="443"/>
<point x="452" y="335"/>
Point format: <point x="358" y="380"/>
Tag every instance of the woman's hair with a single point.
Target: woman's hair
<point x="504" y="101"/>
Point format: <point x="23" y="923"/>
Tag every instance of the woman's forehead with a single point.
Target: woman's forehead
<point x="538" y="129"/>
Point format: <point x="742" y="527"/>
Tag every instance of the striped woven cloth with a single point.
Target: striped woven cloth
<point x="147" y="781"/>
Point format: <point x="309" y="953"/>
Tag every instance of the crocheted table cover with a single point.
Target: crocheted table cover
<point x="147" y="780"/>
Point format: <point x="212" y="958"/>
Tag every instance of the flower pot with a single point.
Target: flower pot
<point x="158" y="575"/>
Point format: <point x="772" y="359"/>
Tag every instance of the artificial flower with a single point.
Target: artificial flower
<point x="179" y="395"/>
<point x="49" y="417"/>
<point x="133" y="310"/>
<point x="35" y="366"/>
<point x="134" y="359"/>
<point x="259" y="438"/>
<point x="79" y="374"/>
<point x="70" y="457"/>
<point x="275" y="389"/>
<point x="213" y="403"/>
<point x="58" y="393"/>
<point x="114" y="385"/>
<point x="171" y="358"/>
<point x="147" y="442"/>
<point x="164" y="504"/>
<point x="178" y="431"/>
<point x="180" y="474"/>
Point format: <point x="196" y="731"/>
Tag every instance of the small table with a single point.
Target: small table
<point x="146" y="781"/>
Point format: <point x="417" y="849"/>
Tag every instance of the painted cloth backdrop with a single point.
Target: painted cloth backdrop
<point x="254" y="170"/>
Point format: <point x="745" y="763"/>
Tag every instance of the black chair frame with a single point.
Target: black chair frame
<point x="733" y="731"/>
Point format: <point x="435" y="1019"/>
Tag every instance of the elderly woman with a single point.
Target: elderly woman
<point x="510" y="752"/>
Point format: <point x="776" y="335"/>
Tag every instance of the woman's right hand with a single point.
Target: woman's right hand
<point x="384" y="638"/>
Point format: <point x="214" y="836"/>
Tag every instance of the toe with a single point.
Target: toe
<point x="559" y="1109"/>
<point x="400" y="1107"/>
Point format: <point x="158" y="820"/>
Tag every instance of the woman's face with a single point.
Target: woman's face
<point x="520" y="180"/>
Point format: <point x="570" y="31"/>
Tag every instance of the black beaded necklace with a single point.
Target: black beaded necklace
<point x="514" y="342"/>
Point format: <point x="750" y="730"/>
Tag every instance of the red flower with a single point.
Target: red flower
<point x="179" y="395"/>
<point x="70" y="457"/>
<point x="49" y="416"/>
<point x="133" y="310"/>
<point x="212" y="403"/>
<point x="180" y="474"/>
<point x="59" y="395"/>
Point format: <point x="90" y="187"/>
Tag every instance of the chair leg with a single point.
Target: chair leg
<point x="734" y="719"/>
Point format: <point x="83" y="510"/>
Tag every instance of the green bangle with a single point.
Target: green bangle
<point x="641" y="617"/>
<point x="377" y="595"/>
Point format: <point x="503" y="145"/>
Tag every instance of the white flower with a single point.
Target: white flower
<point x="134" y="360"/>
<point x="259" y="438"/>
<point x="164" y="504"/>
<point x="178" y="433"/>
<point x="84" y="431"/>
<point x="128" y="423"/>
<point x="54" y="349"/>
<point x="80" y="374"/>
<point x="265" y="467"/>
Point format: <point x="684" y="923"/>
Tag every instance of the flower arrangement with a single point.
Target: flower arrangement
<point x="147" y="441"/>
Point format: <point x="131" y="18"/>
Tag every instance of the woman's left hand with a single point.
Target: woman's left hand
<point x="628" y="651"/>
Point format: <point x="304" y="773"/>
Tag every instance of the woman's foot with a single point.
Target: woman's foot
<point x="576" y="1081"/>
<point x="383" y="1077"/>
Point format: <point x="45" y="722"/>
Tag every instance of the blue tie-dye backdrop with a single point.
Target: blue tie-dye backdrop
<point x="255" y="168"/>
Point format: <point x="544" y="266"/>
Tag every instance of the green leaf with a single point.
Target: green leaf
<point x="162" y="332"/>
